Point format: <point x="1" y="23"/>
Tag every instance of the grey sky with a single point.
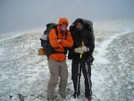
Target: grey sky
<point x="22" y="15"/>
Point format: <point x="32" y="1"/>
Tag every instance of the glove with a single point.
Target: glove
<point x="90" y="60"/>
<point x="78" y="50"/>
<point x="85" y="49"/>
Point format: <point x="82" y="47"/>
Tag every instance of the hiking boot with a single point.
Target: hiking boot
<point x="76" y="95"/>
<point x="63" y="96"/>
<point x="89" y="98"/>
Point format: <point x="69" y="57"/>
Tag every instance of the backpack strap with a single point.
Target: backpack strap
<point x="56" y="31"/>
<point x="66" y="34"/>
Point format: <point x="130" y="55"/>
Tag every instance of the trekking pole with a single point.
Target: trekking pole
<point x="81" y="54"/>
<point x="88" y="78"/>
<point x="78" y="76"/>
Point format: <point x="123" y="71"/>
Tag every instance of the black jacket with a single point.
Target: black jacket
<point x="78" y="36"/>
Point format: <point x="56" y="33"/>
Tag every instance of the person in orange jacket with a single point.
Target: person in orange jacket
<point x="57" y="60"/>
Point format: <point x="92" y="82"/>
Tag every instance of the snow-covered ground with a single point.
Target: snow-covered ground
<point x="24" y="74"/>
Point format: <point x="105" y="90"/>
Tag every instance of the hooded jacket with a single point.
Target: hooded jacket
<point x="78" y="37"/>
<point x="66" y="41"/>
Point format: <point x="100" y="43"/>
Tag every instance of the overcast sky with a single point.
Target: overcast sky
<point x="22" y="15"/>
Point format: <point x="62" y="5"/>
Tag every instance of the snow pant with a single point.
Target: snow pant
<point x="75" y="79"/>
<point x="57" y="69"/>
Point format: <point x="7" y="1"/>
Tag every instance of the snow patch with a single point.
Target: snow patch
<point x="24" y="74"/>
<point x="1" y="51"/>
<point x="102" y="50"/>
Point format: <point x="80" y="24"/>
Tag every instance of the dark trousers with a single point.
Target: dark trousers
<point x="87" y="77"/>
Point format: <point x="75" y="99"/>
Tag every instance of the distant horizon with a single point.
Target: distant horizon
<point x="42" y="28"/>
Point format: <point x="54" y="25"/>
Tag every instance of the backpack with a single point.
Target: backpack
<point x="45" y="39"/>
<point x="88" y="25"/>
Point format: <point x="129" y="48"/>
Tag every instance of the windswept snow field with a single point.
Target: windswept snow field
<point x="24" y="74"/>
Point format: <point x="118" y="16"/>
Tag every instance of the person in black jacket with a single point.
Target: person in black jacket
<point x="81" y="55"/>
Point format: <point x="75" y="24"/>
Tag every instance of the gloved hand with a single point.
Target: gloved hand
<point x="85" y="49"/>
<point x="78" y="50"/>
<point x="90" y="60"/>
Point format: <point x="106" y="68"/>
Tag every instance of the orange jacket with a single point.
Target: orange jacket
<point x="59" y="47"/>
